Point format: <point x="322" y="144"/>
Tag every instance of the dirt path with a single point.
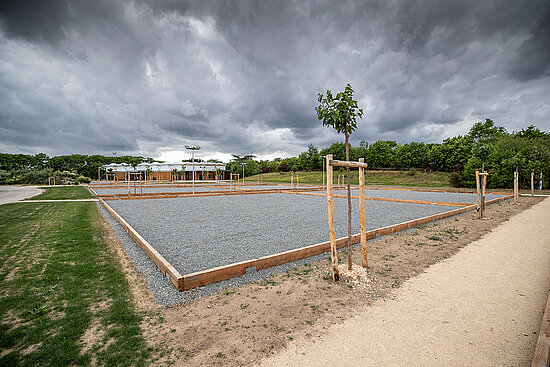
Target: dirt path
<point x="481" y="307"/>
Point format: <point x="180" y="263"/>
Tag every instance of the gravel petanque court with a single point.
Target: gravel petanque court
<point x="199" y="233"/>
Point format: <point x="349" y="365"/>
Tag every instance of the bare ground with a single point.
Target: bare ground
<point x="248" y="323"/>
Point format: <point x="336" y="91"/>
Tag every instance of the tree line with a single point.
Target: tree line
<point x="486" y="144"/>
<point x="35" y="169"/>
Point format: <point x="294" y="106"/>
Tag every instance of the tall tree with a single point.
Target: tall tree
<point x="484" y="135"/>
<point x="340" y="112"/>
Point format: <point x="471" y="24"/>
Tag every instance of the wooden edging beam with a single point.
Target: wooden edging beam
<point x="541" y="356"/>
<point x="164" y="266"/>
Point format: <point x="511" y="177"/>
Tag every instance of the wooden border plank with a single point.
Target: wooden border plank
<point x="162" y="264"/>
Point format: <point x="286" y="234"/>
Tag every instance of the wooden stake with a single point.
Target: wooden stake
<point x="483" y="187"/>
<point x="478" y="209"/>
<point x="332" y="234"/>
<point x="516" y="186"/>
<point x="364" y="258"/>
<point x="532" y="183"/>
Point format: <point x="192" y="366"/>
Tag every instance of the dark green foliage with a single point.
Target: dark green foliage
<point x="451" y="155"/>
<point x="338" y="151"/>
<point x="527" y="150"/>
<point x="381" y="154"/>
<point x="411" y="155"/>
<point x="35" y="169"/>
<point x="339" y="112"/>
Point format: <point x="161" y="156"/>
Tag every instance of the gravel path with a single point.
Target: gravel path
<point x="11" y="194"/>
<point x="200" y="233"/>
<point x="481" y="307"/>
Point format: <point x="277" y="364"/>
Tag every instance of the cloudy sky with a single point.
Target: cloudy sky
<point x="149" y="77"/>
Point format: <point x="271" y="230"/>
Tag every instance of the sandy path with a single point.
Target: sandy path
<point x="481" y="307"/>
<point x="11" y="194"/>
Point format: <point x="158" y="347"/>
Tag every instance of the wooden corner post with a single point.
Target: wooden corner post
<point x="478" y="189"/>
<point x="364" y="258"/>
<point x="333" y="253"/>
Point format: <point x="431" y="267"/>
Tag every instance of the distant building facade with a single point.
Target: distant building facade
<point x="166" y="171"/>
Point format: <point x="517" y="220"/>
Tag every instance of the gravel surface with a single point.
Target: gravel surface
<point x="421" y="195"/>
<point x="155" y="189"/>
<point x="200" y="233"/>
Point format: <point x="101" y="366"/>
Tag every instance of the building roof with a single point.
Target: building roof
<point x="165" y="167"/>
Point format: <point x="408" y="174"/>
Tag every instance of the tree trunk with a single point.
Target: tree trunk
<point x="349" y="197"/>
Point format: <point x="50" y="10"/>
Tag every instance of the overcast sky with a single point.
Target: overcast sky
<point x="149" y="77"/>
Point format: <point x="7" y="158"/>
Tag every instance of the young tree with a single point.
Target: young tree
<point x="340" y="112"/>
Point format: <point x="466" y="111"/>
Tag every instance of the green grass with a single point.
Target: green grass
<point x="63" y="192"/>
<point x="393" y="178"/>
<point x="57" y="279"/>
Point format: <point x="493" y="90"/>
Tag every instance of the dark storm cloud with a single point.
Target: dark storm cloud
<point x="533" y="56"/>
<point x="242" y="76"/>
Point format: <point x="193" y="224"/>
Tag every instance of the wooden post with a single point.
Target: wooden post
<point x="297" y="181"/>
<point x="478" y="188"/>
<point x="364" y="258"/>
<point x="516" y="187"/>
<point x="332" y="234"/>
<point x="533" y="183"/>
<point x="483" y="187"/>
<point x="292" y="181"/>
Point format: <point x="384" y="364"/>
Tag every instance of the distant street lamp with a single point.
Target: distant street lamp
<point x="193" y="148"/>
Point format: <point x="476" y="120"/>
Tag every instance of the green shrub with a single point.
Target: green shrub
<point x="456" y="179"/>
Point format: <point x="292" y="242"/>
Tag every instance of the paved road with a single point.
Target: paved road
<point x="10" y="194"/>
<point x="481" y="307"/>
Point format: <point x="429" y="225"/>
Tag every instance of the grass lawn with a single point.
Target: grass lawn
<point x="63" y="192"/>
<point x="63" y="299"/>
<point x="394" y="178"/>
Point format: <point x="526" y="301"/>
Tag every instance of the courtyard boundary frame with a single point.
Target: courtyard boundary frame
<point x="208" y="276"/>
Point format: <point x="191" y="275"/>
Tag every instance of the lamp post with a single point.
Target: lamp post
<point x="193" y="148"/>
